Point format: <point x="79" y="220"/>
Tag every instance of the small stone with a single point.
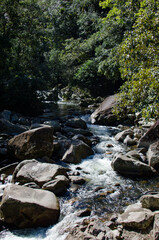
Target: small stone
<point x="84" y="213"/>
<point x="77" y="180"/>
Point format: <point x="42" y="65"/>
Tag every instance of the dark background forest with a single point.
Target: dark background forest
<point x="102" y="47"/>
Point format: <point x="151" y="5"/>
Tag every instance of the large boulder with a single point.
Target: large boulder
<point x="151" y="136"/>
<point x="136" y="217"/>
<point x="153" y="155"/>
<point x="76" y="152"/>
<point x="76" y="123"/>
<point x="34" y="171"/>
<point x="103" y="114"/>
<point x="150" y="201"/>
<point x="130" y="166"/>
<point x="26" y="207"/>
<point x="10" y="128"/>
<point x="33" y="143"/>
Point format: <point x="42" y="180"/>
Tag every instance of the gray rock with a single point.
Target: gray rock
<point x="31" y="185"/>
<point x="58" y="186"/>
<point x="129" y="141"/>
<point x="156" y="227"/>
<point x="77" y="180"/>
<point x="55" y="124"/>
<point x="113" y="235"/>
<point x="76" y="123"/>
<point x="134" y="154"/>
<point x="122" y="135"/>
<point x="150" y="201"/>
<point x="82" y="138"/>
<point x="34" y="171"/>
<point x="10" y="128"/>
<point x="77" y="151"/>
<point x="84" y="213"/>
<point x="136" y="217"/>
<point x="103" y="114"/>
<point x="26" y="207"/>
<point x="132" y="167"/>
<point x="153" y="155"/>
<point x="151" y="136"/>
<point x="61" y="146"/>
<point x="33" y="143"/>
<point x="75" y="131"/>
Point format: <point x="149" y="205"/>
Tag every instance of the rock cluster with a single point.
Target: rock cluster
<point x="144" y="160"/>
<point x="32" y="150"/>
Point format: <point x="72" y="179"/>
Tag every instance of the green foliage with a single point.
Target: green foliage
<point x="23" y="45"/>
<point x="139" y="58"/>
<point x="95" y="45"/>
<point x="139" y="95"/>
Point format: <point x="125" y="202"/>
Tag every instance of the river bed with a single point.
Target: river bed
<point x="105" y="192"/>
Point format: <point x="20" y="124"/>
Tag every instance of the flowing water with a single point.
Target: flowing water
<point x="104" y="192"/>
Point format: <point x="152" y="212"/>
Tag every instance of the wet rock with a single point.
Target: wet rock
<point x="153" y="155"/>
<point x="122" y="135"/>
<point x="76" y="123"/>
<point x="103" y="114"/>
<point x="150" y="201"/>
<point x="77" y="180"/>
<point x="34" y="171"/>
<point x="6" y="114"/>
<point x="31" y="185"/>
<point x="151" y="136"/>
<point x="156" y="227"/>
<point x="3" y="152"/>
<point x="84" y="213"/>
<point x="8" y="169"/>
<point x="33" y="143"/>
<point x="61" y="146"/>
<point x="109" y="145"/>
<point x="76" y="131"/>
<point x="10" y="128"/>
<point x="113" y="235"/>
<point x="37" y="125"/>
<point x="136" y="217"/>
<point x="77" y="151"/>
<point x="130" y="166"/>
<point x="134" y="154"/>
<point x="26" y="207"/>
<point x="58" y="186"/>
<point x="82" y="138"/>
<point x="129" y="141"/>
<point x="55" y="124"/>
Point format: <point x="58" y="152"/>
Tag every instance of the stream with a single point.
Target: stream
<point x="104" y="192"/>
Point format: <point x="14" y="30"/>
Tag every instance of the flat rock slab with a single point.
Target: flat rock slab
<point x="140" y="218"/>
<point x="34" y="171"/>
<point x="26" y="207"/>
